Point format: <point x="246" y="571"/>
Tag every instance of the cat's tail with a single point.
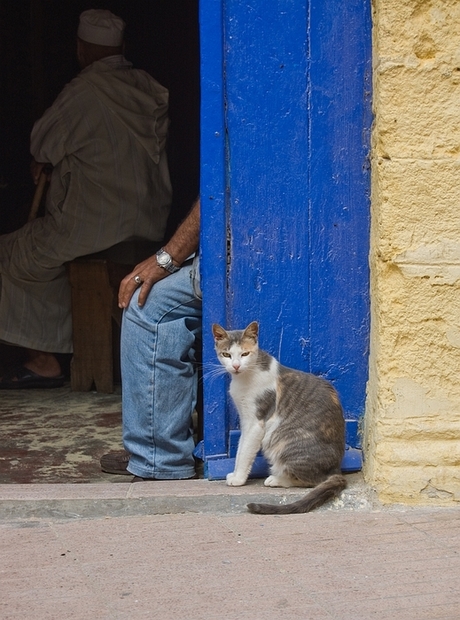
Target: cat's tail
<point x="330" y="488"/>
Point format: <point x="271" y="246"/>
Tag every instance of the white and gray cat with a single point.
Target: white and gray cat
<point x="294" y="416"/>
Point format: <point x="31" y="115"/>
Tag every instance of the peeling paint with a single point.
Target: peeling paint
<point x="440" y="262"/>
<point x="411" y="401"/>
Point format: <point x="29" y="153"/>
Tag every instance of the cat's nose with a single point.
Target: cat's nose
<point x="236" y="365"/>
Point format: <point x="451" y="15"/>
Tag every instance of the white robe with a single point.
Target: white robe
<point x="105" y="137"/>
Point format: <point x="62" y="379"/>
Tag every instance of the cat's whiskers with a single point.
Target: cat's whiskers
<point x="212" y="371"/>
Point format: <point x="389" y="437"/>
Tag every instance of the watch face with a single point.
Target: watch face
<point x="163" y="258"/>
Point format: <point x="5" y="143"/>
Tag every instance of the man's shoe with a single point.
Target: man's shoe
<point x="115" y="463"/>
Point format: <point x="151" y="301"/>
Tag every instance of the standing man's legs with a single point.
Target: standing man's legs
<point x="159" y="377"/>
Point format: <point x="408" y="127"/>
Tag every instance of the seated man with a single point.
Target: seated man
<point x="104" y="137"/>
<point x="160" y="330"/>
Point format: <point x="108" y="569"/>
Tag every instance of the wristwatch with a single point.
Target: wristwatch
<point x="165" y="261"/>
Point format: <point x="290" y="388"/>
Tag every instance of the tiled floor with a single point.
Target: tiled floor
<point x="57" y="435"/>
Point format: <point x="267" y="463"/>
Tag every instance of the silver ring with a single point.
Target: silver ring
<point x="137" y="280"/>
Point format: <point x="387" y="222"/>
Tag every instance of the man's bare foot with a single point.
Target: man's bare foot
<point x="43" y="363"/>
<point x="41" y="370"/>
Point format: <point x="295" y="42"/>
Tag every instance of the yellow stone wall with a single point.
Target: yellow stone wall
<point x="412" y="421"/>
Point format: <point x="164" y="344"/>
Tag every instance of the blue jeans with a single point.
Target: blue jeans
<point x="159" y="381"/>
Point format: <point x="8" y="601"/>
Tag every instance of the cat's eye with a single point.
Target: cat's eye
<point x="245" y="353"/>
<point x="225" y="354"/>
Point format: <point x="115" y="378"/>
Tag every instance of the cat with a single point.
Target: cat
<point x="295" y="418"/>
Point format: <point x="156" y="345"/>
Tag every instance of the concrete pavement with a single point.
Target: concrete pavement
<point x="189" y="550"/>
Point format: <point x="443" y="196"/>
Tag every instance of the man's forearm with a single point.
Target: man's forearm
<point x="186" y="238"/>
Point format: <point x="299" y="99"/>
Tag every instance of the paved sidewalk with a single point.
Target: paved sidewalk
<point x="77" y="552"/>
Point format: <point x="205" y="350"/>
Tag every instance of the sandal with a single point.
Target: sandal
<point x="21" y="378"/>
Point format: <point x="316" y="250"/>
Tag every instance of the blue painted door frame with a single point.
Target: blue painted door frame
<point x="285" y="184"/>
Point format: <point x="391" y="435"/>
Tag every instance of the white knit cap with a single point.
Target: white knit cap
<point x="101" y="27"/>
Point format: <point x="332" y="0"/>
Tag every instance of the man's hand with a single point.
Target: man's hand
<point x="148" y="272"/>
<point x="181" y="245"/>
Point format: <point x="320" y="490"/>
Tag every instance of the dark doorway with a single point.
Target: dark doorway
<point x="37" y="47"/>
<point x="43" y="432"/>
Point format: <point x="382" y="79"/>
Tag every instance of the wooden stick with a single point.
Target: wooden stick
<point x="37" y="196"/>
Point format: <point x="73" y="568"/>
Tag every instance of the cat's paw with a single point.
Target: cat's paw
<point x="277" y="481"/>
<point x="235" y="481"/>
<point x="271" y="481"/>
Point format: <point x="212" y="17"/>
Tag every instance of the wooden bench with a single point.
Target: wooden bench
<point x="96" y="318"/>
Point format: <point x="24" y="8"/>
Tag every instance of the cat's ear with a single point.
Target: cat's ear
<point x="252" y="330"/>
<point x="218" y="332"/>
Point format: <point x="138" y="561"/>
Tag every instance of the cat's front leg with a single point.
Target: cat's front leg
<point x="248" y="447"/>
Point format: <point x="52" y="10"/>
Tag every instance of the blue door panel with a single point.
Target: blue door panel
<point x="339" y="193"/>
<point x="285" y="195"/>
<point x="213" y="242"/>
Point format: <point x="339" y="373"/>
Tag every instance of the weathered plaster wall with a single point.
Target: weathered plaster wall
<point x="412" y="423"/>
